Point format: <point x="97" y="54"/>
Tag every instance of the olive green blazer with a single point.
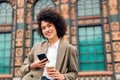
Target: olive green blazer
<point x="66" y="63"/>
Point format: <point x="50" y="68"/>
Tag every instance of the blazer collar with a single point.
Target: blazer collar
<point x="60" y="53"/>
<point x="44" y="47"/>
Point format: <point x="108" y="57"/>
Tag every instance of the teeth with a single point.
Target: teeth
<point x="48" y="33"/>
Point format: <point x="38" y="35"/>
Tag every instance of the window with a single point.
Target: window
<point x="41" y="4"/>
<point x="5" y="13"/>
<point x="5" y="37"/>
<point x="88" y="7"/>
<point x="37" y="38"/>
<point x="91" y="49"/>
<point x="5" y="52"/>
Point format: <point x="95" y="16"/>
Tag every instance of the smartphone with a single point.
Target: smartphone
<point x="42" y="56"/>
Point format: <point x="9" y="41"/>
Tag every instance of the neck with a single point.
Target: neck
<point x="52" y="41"/>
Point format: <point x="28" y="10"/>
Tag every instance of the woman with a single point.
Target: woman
<point x="52" y="26"/>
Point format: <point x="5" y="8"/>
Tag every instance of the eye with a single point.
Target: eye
<point x="49" y="25"/>
<point x="42" y="28"/>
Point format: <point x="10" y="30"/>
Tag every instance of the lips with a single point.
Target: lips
<point x="48" y="34"/>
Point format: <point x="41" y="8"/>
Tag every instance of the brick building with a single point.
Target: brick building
<point x="93" y="27"/>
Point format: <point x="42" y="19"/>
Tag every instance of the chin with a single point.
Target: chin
<point x="49" y="37"/>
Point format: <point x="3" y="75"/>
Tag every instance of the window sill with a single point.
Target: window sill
<point x="95" y="73"/>
<point x="5" y="76"/>
<point x="5" y="24"/>
<point x="88" y="17"/>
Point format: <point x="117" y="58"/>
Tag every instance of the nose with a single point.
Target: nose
<point x="47" y="29"/>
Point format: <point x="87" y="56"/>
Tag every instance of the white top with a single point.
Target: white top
<point x="51" y="55"/>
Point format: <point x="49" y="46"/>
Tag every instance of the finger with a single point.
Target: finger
<point x="53" y="73"/>
<point x="55" y="76"/>
<point x="44" y="60"/>
<point x="41" y="65"/>
<point x="53" y="70"/>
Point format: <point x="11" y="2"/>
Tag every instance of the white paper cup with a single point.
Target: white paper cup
<point x="49" y="66"/>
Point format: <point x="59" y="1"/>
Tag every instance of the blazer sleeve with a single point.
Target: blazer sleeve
<point x="72" y="72"/>
<point x="25" y="66"/>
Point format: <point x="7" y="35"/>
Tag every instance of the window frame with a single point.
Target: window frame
<point x="104" y="51"/>
<point x="7" y="28"/>
<point x="84" y="9"/>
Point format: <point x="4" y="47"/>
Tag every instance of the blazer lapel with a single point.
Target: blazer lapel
<point x="60" y="54"/>
<point x="44" y="47"/>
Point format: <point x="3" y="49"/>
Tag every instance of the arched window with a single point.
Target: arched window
<point x="37" y="7"/>
<point x="88" y="8"/>
<point x="5" y="37"/>
<point x="41" y="4"/>
<point x="5" y="13"/>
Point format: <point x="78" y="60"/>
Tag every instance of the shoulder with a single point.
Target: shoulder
<point x="39" y="44"/>
<point x="71" y="50"/>
<point x="71" y="47"/>
<point x="68" y="46"/>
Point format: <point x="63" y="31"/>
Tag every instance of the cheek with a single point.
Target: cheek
<point x="43" y="32"/>
<point x="55" y="31"/>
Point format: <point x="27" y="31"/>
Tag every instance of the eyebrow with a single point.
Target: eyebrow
<point x="47" y="24"/>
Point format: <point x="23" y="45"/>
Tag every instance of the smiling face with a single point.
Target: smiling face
<point x="49" y="30"/>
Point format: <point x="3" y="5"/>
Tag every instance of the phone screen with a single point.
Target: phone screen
<point x="41" y="56"/>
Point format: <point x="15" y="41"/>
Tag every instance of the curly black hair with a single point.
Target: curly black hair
<point x="51" y="15"/>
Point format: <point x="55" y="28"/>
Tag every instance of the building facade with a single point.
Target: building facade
<point x="93" y="27"/>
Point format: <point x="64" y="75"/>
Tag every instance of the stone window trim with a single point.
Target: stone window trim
<point x="5" y="76"/>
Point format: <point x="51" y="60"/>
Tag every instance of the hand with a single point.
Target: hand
<point x="38" y="64"/>
<point x="55" y="74"/>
